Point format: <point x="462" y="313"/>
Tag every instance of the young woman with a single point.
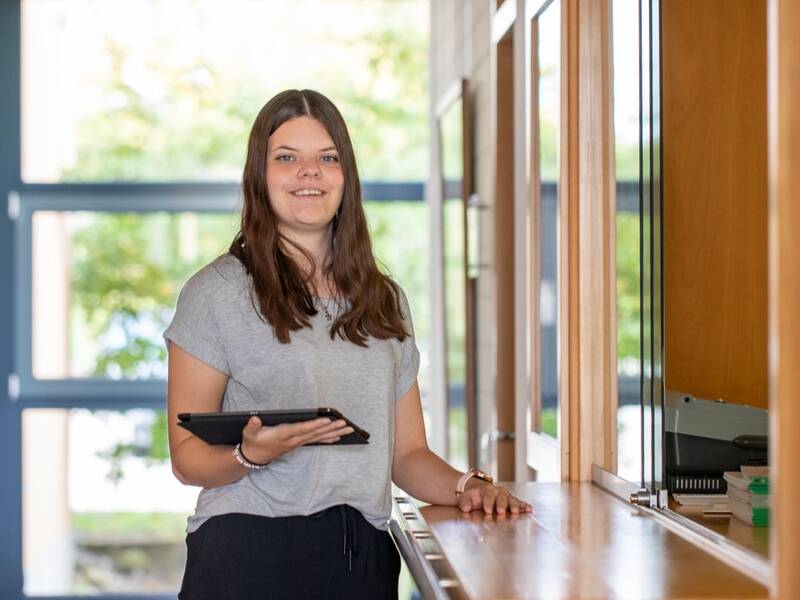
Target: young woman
<point x="297" y="315"/>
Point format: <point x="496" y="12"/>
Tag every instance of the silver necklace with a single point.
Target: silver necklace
<point x="328" y="315"/>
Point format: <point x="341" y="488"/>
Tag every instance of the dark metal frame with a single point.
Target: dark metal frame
<point x="10" y="434"/>
<point x="652" y="292"/>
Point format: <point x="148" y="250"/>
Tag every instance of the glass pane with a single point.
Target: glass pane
<point x="455" y="290"/>
<point x="626" y="143"/>
<point x="105" y="286"/>
<point x="400" y="233"/>
<point x="102" y="511"/>
<point x="456" y="331"/>
<point x="549" y="90"/>
<point x="167" y="89"/>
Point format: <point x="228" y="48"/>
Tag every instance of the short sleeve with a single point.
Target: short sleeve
<point x="195" y="326"/>
<point x="408" y="367"/>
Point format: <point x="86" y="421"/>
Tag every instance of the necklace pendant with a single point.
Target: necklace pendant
<point x="325" y="311"/>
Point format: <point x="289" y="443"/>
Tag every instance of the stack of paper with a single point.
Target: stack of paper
<point x="708" y="503"/>
<point x="748" y="495"/>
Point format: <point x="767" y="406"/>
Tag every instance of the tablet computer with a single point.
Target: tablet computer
<point x="226" y="427"/>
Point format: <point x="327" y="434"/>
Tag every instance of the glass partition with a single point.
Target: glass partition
<point x="625" y="93"/>
<point x="546" y="235"/>
<point x="91" y="522"/>
<point x="458" y="288"/>
<point x="636" y="93"/>
<point x="104" y="287"/>
<point x="549" y="121"/>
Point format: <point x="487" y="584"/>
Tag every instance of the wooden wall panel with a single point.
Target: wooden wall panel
<point x="471" y="284"/>
<point x="715" y="198"/>
<point x="569" y="274"/>
<point x="596" y="246"/>
<point x="504" y="255"/>
<point x="784" y="286"/>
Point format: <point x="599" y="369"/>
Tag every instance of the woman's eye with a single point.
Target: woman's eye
<point x="284" y="158"/>
<point x="330" y="158"/>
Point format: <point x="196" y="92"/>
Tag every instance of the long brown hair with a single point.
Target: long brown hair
<point x="279" y="286"/>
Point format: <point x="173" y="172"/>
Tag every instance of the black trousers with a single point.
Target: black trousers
<point x="331" y="554"/>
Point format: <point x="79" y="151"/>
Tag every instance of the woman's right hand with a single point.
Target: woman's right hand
<point x="263" y="443"/>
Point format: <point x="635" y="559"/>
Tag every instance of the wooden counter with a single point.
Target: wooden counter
<point x="579" y="543"/>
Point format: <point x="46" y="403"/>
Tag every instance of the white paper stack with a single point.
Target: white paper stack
<point x="708" y="503"/>
<point x="748" y="495"/>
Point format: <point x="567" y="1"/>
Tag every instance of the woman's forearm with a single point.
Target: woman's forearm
<point x="196" y="463"/>
<point x="427" y="477"/>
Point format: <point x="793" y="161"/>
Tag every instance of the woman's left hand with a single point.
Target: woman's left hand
<point x="491" y="498"/>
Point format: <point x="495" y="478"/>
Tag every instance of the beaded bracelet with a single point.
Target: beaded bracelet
<point x="243" y="460"/>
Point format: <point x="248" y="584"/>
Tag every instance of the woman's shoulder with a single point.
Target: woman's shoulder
<point x="402" y="302"/>
<point x="399" y="293"/>
<point x="228" y="267"/>
<point x="223" y="273"/>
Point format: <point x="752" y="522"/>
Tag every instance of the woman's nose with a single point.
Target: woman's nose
<point x="309" y="168"/>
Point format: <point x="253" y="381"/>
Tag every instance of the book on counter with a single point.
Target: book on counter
<point x="748" y="495"/>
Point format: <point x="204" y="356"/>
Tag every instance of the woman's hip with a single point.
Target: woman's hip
<point x="334" y="553"/>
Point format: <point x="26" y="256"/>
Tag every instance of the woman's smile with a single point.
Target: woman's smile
<point x="307" y="192"/>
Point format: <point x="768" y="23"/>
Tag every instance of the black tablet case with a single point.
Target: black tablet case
<point x="226" y="427"/>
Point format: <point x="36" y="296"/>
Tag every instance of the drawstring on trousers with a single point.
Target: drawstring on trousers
<point x="350" y="545"/>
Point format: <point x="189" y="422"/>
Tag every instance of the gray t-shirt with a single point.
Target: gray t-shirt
<point x="216" y="322"/>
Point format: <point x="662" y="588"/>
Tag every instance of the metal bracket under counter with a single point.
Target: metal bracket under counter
<point x="432" y="573"/>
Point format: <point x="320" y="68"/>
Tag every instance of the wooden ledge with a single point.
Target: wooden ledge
<point x="579" y="543"/>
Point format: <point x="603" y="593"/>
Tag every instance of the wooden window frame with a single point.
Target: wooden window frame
<point x="546" y="455"/>
<point x="586" y="285"/>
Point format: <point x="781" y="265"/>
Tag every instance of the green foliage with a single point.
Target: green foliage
<point x="126" y="272"/>
<point x="457" y="451"/>
<point x="406" y="262"/>
<point x="549" y="421"/>
<point x="628" y="279"/>
<point x="455" y="290"/>
<point x="155" y="525"/>
<point x="627" y="163"/>
<point x="197" y="127"/>
<point x="548" y="148"/>
<point x="128" y="268"/>
<point x="156" y="452"/>
<point x="196" y="130"/>
<point x="452" y="142"/>
<point x="159" y="448"/>
<point x="390" y="135"/>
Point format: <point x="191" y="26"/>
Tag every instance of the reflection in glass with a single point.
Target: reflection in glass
<point x="102" y="511"/>
<point x="626" y="145"/>
<point x="549" y="93"/>
<point x="453" y="232"/>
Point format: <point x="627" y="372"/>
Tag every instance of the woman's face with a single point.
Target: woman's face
<point x="304" y="178"/>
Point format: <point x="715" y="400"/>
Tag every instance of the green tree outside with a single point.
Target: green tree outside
<point x="127" y="269"/>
